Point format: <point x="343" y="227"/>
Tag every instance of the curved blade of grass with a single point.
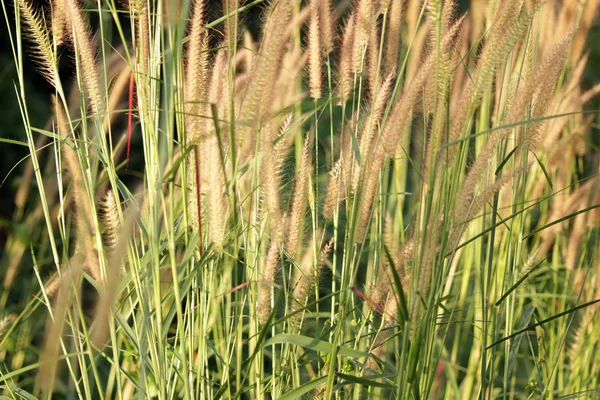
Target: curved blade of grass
<point x="505" y="220"/>
<point x="518" y="283"/>
<point x="514" y="346"/>
<point x="313" y="344"/>
<point x="562" y="314"/>
<point x="505" y="160"/>
<point x="558" y="221"/>
<point x="307" y="387"/>
<point x="13" y="141"/>
<point x="586" y="393"/>
<point x="513" y="125"/>
<point x="364" y="380"/>
<point x="544" y="170"/>
<point x="403" y="309"/>
<point x="19" y="392"/>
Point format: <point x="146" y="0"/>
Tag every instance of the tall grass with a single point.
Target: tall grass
<point x="363" y="199"/>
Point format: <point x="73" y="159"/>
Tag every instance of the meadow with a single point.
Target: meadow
<point x="303" y="199"/>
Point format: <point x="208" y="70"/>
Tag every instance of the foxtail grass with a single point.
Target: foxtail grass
<point x="358" y="199"/>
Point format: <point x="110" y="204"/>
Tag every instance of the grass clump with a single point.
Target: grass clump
<point x="358" y="199"/>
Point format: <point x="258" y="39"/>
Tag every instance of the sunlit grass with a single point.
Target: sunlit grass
<point x="369" y="199"/>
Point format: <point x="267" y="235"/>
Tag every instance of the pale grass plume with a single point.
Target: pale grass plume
<point x="334" y="192"/>
<point x="477" y="20"/>
<point x="392" y="35"/>
<point x="387" y="299"/>
<point x="261" y="84"/>
<point x="561" y="208"/>
<point x="229" y="34"/>
<point x="447" y="61"/>
<point x="295" y="227"/>
<point x="345" y="63"/>
<point x="390" y="241"/>
<point x="589" y="12"/>
<point x="314" y="52"/>
<point x="215" y="192"/>
<point x="380" y="288"/>
<point x="594" y="215"/>
<point x="196" y="73"/>
<point x="110" y="219"/>
<point x="142" y="39"/>
<point x="400" y="114"/>
<point x="364" y="24"/>
<point x="218" y="84"/>
<point x="38" y="33"/>
<point x="271" y="180"/>
<point x="541" y="85"/>
<point x="373" y="60"/>
<point x="268" y="283"/>
<point x="327" y="25"/>
<point x="544" y="95"/>
<point x="373" y="121"/>
<point x="395" y="126"/>
<point x="289" y="79"/>
<point x="58" y="21"/>
<point x="507" y="28"/>
<point x="214" y="166"/>
<point x="85" y="50"/>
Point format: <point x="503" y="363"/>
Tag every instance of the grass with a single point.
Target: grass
<point x="364" y="199"/>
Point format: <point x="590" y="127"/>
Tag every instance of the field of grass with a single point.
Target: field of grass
<point x="303" y="199"/>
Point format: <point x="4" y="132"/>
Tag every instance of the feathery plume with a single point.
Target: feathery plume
<point x="270" y="272"/>
<point x="397" y="122"/>
<point x="334" y="195"/>
<point x="326" y="24"/>
<point x="314" y="55"/>
<point x="267" y="63"/>
<point x="86" y="54"/>
<point x="508" y="27"/>
<point x="42" y="48"/>
<point x="298" y="206"/>
<point x="345" y="67"/>
<point x="373" y="61"/>
<point x="542" y="80"/>
<point x="392" y="35"/>
<point x="196" y="72"/>
<point x="58" y="21"/>
<point x="362" y="32"/>
<point x="372" y="124"/>
<point x="214" y="173"/>
<point x="271" y="177"/>
<point x="110" y="219"/>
